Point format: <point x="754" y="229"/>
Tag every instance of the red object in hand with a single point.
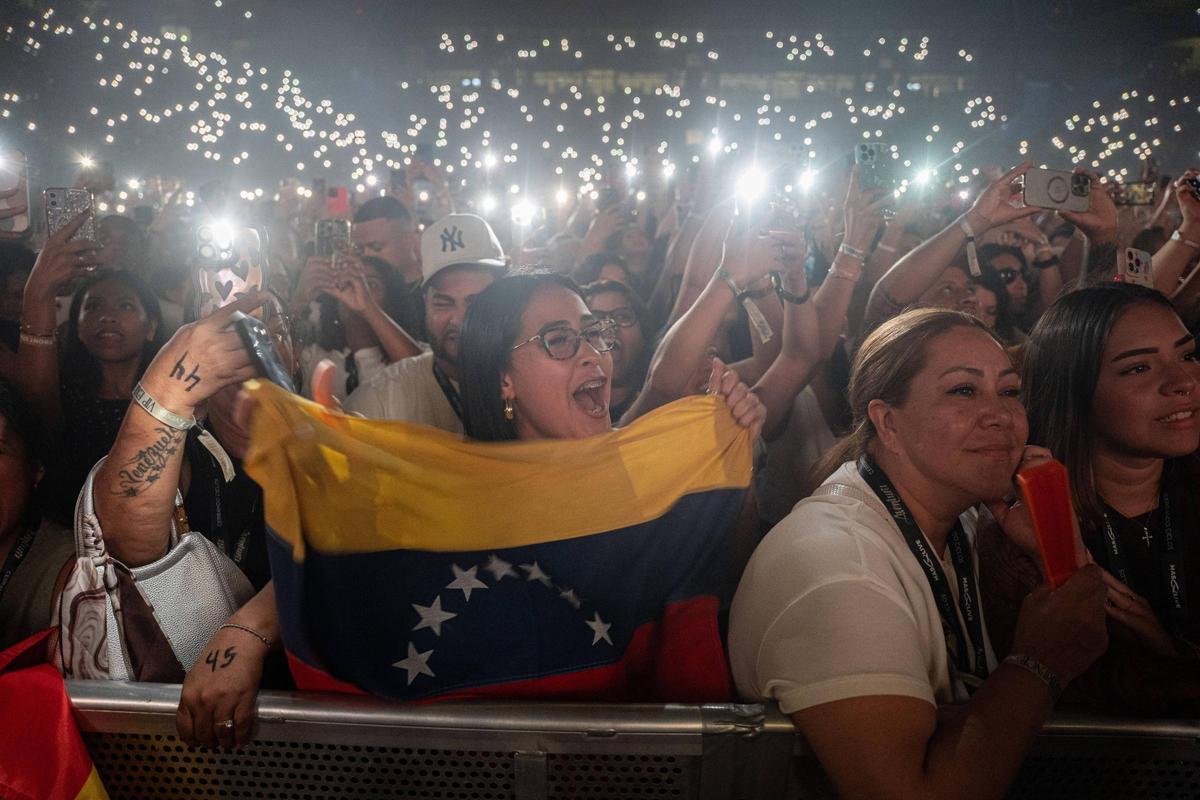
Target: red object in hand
<point x="1048" y="498"/>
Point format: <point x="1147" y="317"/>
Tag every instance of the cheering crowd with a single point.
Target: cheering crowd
<point x="895" y="357"/>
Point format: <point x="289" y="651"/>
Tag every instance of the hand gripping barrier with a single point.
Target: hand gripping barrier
<point x="323" y="747"/>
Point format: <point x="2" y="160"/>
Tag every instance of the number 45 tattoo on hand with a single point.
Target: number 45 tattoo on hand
<point x="211" y="659"/>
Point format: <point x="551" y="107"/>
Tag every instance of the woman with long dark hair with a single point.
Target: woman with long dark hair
<point x="1111" y="389"/>
<point x="82" y="387"/>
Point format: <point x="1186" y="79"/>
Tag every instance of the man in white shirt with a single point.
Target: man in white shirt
<point x="460" y="257"/>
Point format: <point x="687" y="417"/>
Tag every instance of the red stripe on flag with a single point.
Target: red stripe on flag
<point x="41" y="753"/>
<point x="677" y="659"/>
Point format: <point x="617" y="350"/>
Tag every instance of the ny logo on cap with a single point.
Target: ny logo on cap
<point x="452" y="239"/>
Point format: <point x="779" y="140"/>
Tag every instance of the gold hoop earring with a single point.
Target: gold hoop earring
<point x="508" y="410"/>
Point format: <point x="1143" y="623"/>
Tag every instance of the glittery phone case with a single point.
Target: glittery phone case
<point x="62" y="205"/>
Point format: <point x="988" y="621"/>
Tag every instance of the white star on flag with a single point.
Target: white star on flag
<point x="465" y="580"/>
<point x="432" y="616"/>
<point x="535" y="574"/>
<point x="569" y="596"/>
<point x="415" y="663"/>
<point x="599" y="629"/>
<point x="500" y="568"/>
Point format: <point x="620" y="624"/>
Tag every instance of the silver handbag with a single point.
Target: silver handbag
<point x="189" y="592"/>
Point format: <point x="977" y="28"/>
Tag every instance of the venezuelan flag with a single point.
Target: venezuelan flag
<point x="411" y="564"/>
<point x="42" y="756"/>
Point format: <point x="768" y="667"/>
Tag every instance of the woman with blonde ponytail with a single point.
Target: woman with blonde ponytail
<point x="860" y="612"/>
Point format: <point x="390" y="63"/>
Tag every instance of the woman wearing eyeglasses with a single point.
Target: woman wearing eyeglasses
<point x="537" y="364"/>
<point x="616" y="302"/>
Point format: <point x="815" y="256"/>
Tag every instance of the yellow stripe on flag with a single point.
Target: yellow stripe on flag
<point x="92" y="789"/>
<point x="355" y="486"/>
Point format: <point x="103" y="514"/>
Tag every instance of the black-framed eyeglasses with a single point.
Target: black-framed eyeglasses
<point x="1007" y="275"/>
<point x="562" y="342"/>
<point x="623" y="317"/>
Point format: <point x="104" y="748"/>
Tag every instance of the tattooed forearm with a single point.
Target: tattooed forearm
<point x="1101" y="261"/>
<point x="145" y="468"/>
<point x="180" y="373"/>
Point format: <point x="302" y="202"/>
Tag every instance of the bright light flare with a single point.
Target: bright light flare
<point x="750" y="184"/>
<point x="807" y="179"/>
<point x="524" y="213"/>
<point x="487" y="203"/>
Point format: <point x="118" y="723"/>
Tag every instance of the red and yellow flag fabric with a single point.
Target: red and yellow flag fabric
<point x="42" y="755"/>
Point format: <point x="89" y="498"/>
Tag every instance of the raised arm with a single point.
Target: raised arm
<point x="352" y="289"/>
<point x="1099" y="224"/>
<point x="135" y="487"/>
<point x="745" y="265"/>
<point x="1173" y="258"/>
<point x="36" y="369"/>
<point x="918" y="270"/>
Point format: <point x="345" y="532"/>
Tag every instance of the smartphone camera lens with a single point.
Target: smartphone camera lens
<point x="207" y="251"/>
<point x="1081" y="185"/>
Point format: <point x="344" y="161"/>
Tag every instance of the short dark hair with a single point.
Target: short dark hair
<point x="488" y="335"/>
<point x="589" y="269"/>
<point x="594" y="288"/>
<point x="1061" y="372"/>
<point x="79" y="367"/>
<point x="386" y="207"/>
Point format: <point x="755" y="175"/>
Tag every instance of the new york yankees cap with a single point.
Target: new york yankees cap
<point x="459" y="239"/>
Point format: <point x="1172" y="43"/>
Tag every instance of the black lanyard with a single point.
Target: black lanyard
<point x="351" y="373"/>
<point x="960" y="556"/>
<point x="1168" y="554"/>
<point x="448" y="389"/>
<point x="15" y="557"/>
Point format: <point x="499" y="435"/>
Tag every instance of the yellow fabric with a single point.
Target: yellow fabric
<point x="92" y="789"/>
<point x="347" y="485"/>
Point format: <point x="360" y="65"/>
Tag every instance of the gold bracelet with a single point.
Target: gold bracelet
<point x="250" y="631"/>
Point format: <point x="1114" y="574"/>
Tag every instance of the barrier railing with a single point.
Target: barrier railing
<point x="324" y="747"/>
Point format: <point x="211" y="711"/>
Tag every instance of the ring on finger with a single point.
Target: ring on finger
<point x="226" y="723"/>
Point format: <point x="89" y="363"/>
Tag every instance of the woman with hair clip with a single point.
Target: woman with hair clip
<point x="1111" y="390"/>
<point x="860" y="612"/>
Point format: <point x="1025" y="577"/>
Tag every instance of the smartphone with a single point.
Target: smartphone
<point x="337" y="201"/>
<point x="423" y="194"/>
<point x="1134" y="266"/>
<point x="1195" y="184"/>
<point x="333" y="237"/>
<point x="1047" y="495"/>
<point x="230" y="263"/>
<point x="258" y="344"/>
<point x="397" y="179"/>
<point x="1140" y="193"/>
<point x="62" y="205"/>
<point x="14" y="191"/>
<point x="1052" y="188"/>
<point x="874" y="162"/>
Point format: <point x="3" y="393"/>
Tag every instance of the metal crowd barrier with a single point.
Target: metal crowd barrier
<point x="327" y="747"/>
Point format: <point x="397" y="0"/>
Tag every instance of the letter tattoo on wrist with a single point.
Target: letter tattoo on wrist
<point x="179" y="372"/>
<point x="142" y="471"/>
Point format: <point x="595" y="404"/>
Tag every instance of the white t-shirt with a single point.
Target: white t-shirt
<point x="406" y="390"/>
<point x="833" y="605"/>
<point x="781" y="465"/>
<point x="367" y="361"/>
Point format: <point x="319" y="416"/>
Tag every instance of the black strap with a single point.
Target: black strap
<point x="15" y="557"/>
<point x="448" y="389"/>
<point x="1168" y="553"/>
<point x="971" y="652"/>
<point x="351" y="373"/>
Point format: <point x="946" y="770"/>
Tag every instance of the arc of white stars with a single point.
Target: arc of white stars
<point x="534" y="573"/>
<point x="432" y="616"/>
<point x="599" y="629"/>
<point x="416" y="664"/>
<point x="465" y="580"/>
<point x="570" y="596"/>
<point x="500" y="568"/>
